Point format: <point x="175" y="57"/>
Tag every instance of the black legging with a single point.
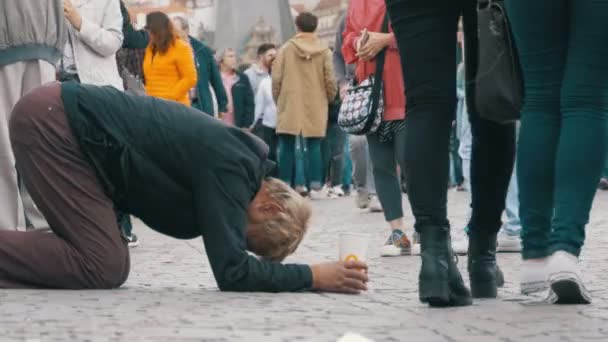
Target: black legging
<point x="426" y="35"/>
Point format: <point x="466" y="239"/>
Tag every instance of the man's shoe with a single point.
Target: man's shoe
<point x="533" y="276"/>
<point x="440" y="283"/>
<point x="603" y="184"/>
<point x="565" y="280"/>
<point x="397" y="245"/>
<point x="508" y="243"/>
<point x="375" y="206"/>
<point x="363" y="199"/>
<point x="132" y="240"/>
<point x="302" y="190"/>
<point x="335" y="192"/>
<point x="483" y="273"/>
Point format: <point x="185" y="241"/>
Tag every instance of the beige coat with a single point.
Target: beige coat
<point x="303" y="84"/>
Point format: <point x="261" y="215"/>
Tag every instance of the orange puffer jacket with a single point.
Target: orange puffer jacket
<point x="170" y="75"/>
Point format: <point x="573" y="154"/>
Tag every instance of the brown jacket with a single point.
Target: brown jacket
<point x="303" y="84"/>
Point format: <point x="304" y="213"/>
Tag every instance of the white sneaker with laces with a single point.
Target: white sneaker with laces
<point x="317" y="194"/>
<point x="533" y="276"/>
<point x="508" y="243"/>
<point x="375" y="206"/>
<point x="565" y="280"/>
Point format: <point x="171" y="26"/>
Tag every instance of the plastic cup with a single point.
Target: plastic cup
<point x="354" y="246"/>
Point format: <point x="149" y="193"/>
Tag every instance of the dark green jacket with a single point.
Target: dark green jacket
<point x="208" y="74"/>
<point x="132" y="38"/>
<point x="154" y="163"/>
<point x="243" y="101"/>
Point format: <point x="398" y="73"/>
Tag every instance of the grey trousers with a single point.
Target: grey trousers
<point x="363" y="176"/>
<point x="16" y="80"/>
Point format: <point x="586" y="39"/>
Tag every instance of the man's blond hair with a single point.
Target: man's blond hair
<point x="280" y="236"/>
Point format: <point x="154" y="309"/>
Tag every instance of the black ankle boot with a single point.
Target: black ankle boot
<point x="484" y="274"/>
<point x="440" y="283"/>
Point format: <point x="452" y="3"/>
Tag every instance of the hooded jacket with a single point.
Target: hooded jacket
<point x="303" y="85"/>
<point x="31" y="29"/>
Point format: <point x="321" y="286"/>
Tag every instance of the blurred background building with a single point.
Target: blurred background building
<point x="243" y="24"/>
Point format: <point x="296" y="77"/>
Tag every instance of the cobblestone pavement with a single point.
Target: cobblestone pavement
<point x="171" y="295"/>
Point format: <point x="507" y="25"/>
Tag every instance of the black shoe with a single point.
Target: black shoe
<point x="484" y="274"/>
<point x="132" y="240"/>
<point x="440" y="283"/>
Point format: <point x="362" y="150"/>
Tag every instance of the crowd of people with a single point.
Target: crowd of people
<point x="154" y="123"/>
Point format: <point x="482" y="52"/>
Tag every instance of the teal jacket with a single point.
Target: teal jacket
<point x="155" y="164"/>
<point x="208" y="74"/>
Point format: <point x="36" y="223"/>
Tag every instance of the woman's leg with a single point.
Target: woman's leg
<point x="581" y="149"/>
<point x="492" y="158"/>
<point x="426" y="35"/>
<point x="315" y="163"/>
<point x="286" y="157"/>
<point x="389" y="194"/>
<point x="541" y="39"/>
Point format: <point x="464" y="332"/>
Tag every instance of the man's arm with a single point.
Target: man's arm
<point x="216" y="82"/>
<point x="133" y="39"/>
<point x="331" y="88"/>
<point x="221" y="208"/>
<point x="277" y="75"/>
<point x="105" y="38"/>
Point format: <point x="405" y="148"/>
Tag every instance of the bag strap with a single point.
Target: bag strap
<point x="380" y="59"/>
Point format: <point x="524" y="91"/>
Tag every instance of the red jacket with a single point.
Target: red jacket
<point x="370" y="14"/>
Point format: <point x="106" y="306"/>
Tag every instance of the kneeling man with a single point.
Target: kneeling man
<point x="85" y="152"/>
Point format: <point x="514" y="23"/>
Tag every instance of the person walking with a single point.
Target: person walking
<point x="562" y="144"/>
<point x="241" y="102"/>
<point x="169" y="68"/>
<point x="387" y="145"/>
<point x="429" y="71"/>
<point x="303" y="85"/>
<point x="207" y="73"/>
<point x="266" y="115"/>
<point x="260" y="70"/>
<point x="32" y="42"/>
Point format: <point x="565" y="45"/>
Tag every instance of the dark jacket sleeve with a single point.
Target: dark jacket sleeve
<point x="216" y="82"/>
<point x="245" y="115"/>
<point x="338" y="58"/>
<point x="221" y="208"/>
<point x="133" y="39"/>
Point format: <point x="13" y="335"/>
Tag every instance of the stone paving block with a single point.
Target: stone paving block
<point x="171" y="295"/>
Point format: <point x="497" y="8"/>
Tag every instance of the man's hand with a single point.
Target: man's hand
<point x="376" y="42"/>
<point x="72" y="15"/>
<point x="350" y="277"/>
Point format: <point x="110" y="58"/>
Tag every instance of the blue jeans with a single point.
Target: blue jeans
<point x="564" y="127"/>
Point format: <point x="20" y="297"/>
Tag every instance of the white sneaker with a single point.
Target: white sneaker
<point x="335" y="192"/>
<point x="565" y="280"/>
<point x="317" y="194"/>
<point x="533" y="277"/>
<point x="460" y="244"/>
<point x="375" y="206"/>
<point x="508" y="243"/>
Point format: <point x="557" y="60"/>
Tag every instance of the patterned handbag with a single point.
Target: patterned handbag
<point x="363" y="107"/>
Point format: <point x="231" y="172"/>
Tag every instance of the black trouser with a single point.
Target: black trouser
<point x="426" y="35"/>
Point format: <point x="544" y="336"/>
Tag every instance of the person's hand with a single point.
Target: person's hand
<point x="71" y="14"/>
<point x="376" y="42"/>
<point x="350" y="277"/>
